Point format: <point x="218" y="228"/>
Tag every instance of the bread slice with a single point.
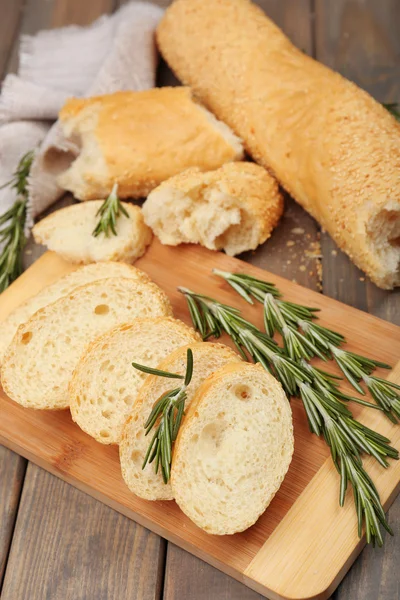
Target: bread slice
<point x="38" y="364"/>
<point x="104" y="384"/>
<point x="234" y="208"/>
<point x="233" y="449"/>
<point x="69" y="232"/>
<point x="60" y="288"/>
<point x="139" y="139"/>
<point x="146" y="483"/>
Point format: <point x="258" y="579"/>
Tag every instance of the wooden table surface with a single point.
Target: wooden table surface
<point x="56" y="543"/>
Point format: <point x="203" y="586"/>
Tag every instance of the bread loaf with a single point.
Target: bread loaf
<point x="69" y="232"/>
<point x="233" y="449"/>
<point x="145" y="483"/>
<point x="38" y="365"/>
<point x="330" y="144"/>
<point x="234" y="208"/>
<point x="62" y="287"/>
<point x="104" y="384"/>
<point x="139" y="139"/>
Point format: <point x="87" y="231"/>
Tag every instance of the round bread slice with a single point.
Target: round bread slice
<point x="104" y="384"/>
<point x="39" y="363"/>
<point x="145" y="483"/>
<point x="69" y="232"/>
<point x="233" y="449"/>
<point x="234" y="208"/>
<point x="63" y="286"/>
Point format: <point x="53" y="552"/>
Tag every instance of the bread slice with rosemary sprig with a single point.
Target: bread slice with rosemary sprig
<point x="39" y="363"/>
<point x="62" y="287"/>
<point x="233" y="449"/>
<point x="327" y="415"/>
<point x="138" y="472"/>
<point x="120" y="234"/>
<point x="104" y="386"/>
<point x="304" y="339"/>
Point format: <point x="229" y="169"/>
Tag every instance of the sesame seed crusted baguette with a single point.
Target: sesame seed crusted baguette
<point x="139" y="139"/>
<point x="39" y="363"/>
<point x="207" y="358"/>
<point x="233" y="449"/>
<point x="234" y="208"/>
<point x="69" y="232"/>
<point x="329" y="143"/>
<point x="63" y="286"/>
<point x="104" y="384"/>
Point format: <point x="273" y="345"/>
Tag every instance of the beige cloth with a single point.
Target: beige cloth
<point x="114" y="53"/>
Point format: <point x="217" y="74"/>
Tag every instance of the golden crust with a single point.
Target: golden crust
<point x="330" y="144"/>
<point x="139" y="139"/>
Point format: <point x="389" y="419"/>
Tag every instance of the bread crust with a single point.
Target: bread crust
<point x="139" y="139"/>
<point x="331" y="145"/>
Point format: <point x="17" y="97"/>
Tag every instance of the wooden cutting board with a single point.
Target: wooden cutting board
<point x="304" y="543"/>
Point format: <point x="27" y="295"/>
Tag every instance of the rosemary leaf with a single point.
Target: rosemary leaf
<point x="109" y="212"/>
<point x="166" y="416"/>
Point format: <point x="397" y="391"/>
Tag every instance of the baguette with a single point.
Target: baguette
<point x="329" y="143"/>
<point x="39" y="363"/>
<point x="62" y="287"/>
<point x="233" y="449"/>
<point x="139" y="139"/>
<point x="69" y="232"/>
<point x="145" y="483"/>
<point x="234" y="208"/>
<point x="104" y="384"/>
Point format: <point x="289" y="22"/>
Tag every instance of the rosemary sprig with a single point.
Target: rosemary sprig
<point x="166" y="417"/>
<point x="327" y="415"/>
<point x="303" y="338"/>
<point x="12" y="224"/>
<point x="393" y="108"/>
<point x="109" y="212"/>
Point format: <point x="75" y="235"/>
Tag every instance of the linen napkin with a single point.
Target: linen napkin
<point x="116" y="52"/>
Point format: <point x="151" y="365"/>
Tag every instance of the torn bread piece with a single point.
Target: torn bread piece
<point x="234" y="208"/>
<point x="233" y="449"/>
<point x="69" y="232"/>
<point x="39" y="363"/>
<point x="139" y="139"/>
<point x="104" y="384"/>
<point x="146" y="483"/>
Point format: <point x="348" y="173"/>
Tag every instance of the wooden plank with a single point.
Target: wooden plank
<point x="189" y="577"/>
<point x="11" y="11"/>
<point x="67" y="545"/>
<point x="12" y="471"/>
<point x="360" y="39"/>
<point x="54" y="442"/>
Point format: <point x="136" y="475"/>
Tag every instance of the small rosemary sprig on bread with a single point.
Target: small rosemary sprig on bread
<point x="109" y="212"/>
<point x="327" y="415"/>
<point x="166" y="417"/>
<point x="12" y="224"/>
<point x="303" y="338"/>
